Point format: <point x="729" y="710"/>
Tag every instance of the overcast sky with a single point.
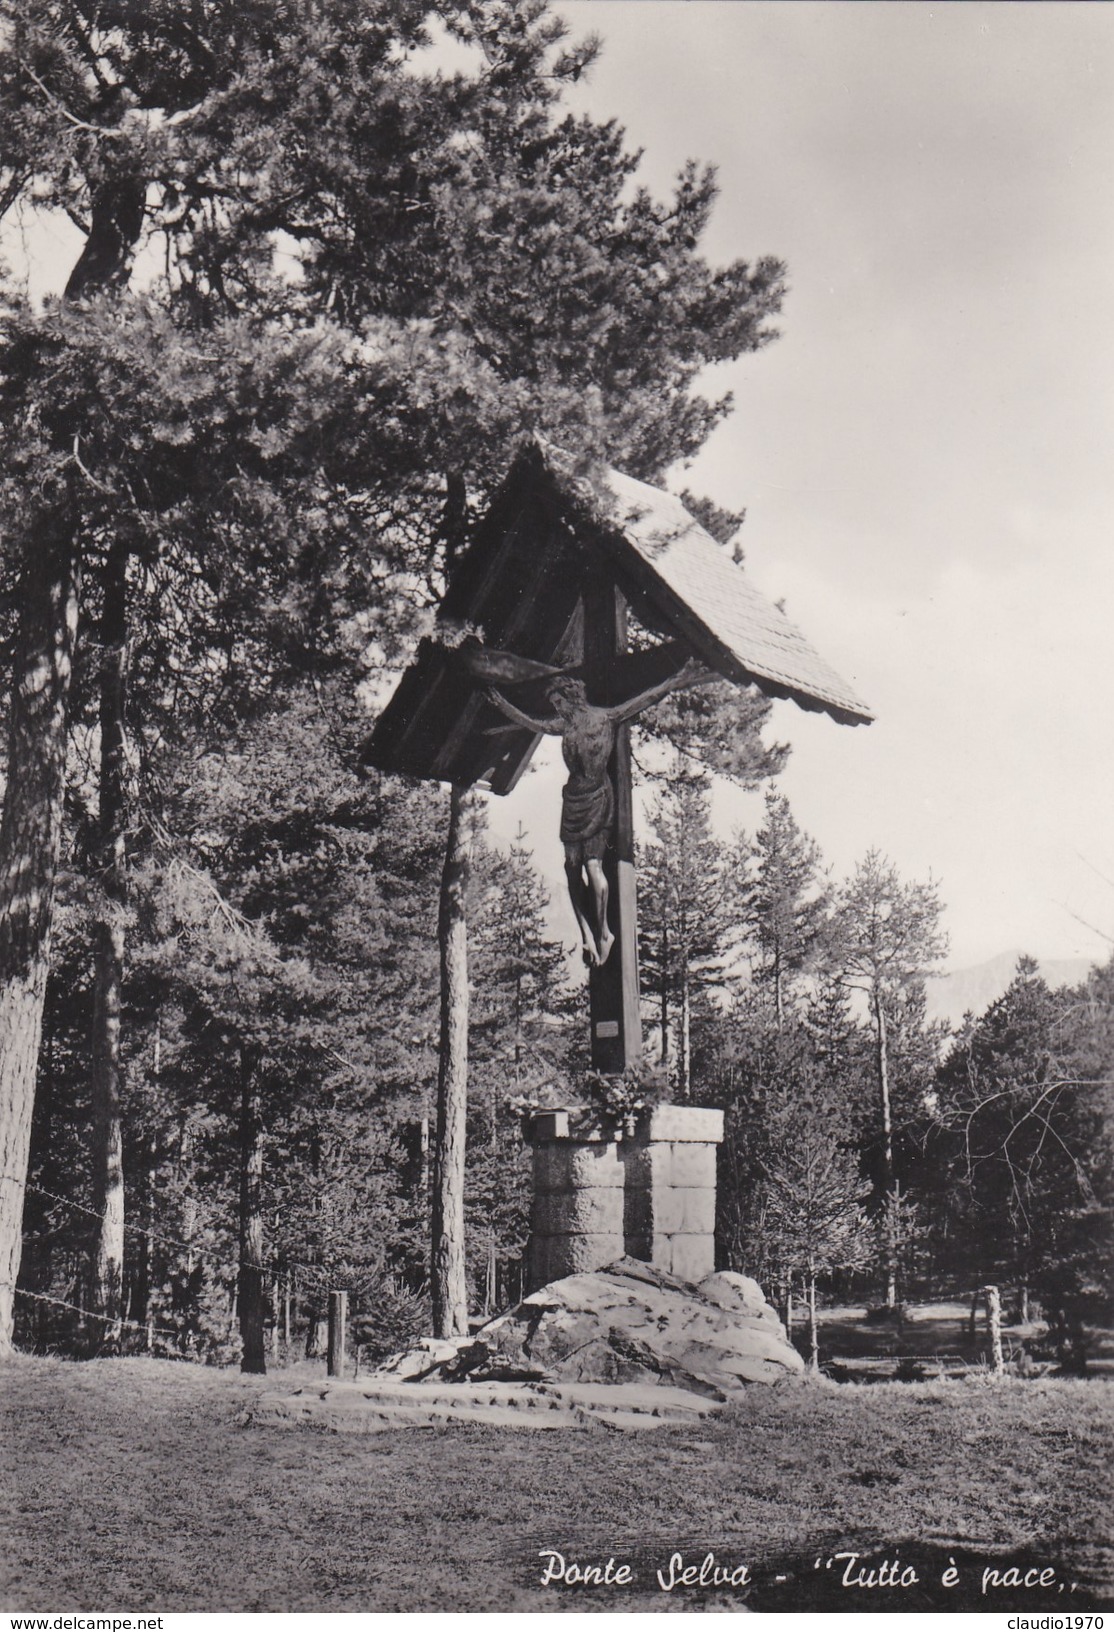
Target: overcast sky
<point x="925" y="455"/>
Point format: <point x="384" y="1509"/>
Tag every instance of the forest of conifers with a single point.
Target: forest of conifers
<point x="299" y="944"/>
<point x="337" y="261"/>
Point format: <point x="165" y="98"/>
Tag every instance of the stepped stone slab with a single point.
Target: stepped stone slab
<point x="379" y="1404"/>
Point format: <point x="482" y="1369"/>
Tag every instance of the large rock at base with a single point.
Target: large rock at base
<point x="632" y="1323"/>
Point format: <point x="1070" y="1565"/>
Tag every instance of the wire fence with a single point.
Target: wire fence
<point x="112" y="1321"/>
<point x="278" y="1269"/>
<point x="289" y="1278"/>
<point x="275" y="1266"/>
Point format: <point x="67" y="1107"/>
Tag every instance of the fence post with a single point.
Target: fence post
<point x="994" y="1328"/>
<point x="338" y="1320"/>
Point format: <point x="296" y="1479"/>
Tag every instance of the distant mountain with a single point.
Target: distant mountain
<point x="950" y="996"/>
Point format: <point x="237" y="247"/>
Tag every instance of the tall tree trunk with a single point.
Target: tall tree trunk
<point x="994" y="1329"/>
<point x="251" y="1300"/>
<point x="30" y="837"/>
<point x="31" y="826"/>
<point x="448" y="1283"/>
<point x="115" y="222"/>
<point x="491" y="1276"/>
<point x="686" y="1030"/>
<point x="317" y="1331"/>
<point x="146" y="1264"/>
<point x="664" y="994"/>
<point x="813" y="1332"/>
<point x="107" y="1258"/>
<point x="423" y="1163"/>
<point x="889" y="1199"/>
<point x="143" y="1270"/>
<point x="454" y="518"/>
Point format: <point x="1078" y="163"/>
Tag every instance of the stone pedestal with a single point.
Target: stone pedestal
<point x="669" y="1214"/>
<point x="577" y="1220"/>
<point x="647" y="1190"/>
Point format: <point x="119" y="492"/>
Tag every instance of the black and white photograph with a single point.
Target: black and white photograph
<point x="557" y="838"/>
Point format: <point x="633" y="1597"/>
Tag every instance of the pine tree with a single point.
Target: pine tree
<point x="814" y="1191"/>
<point x="682" y="922"/>
<point x="783" y="900"/>
<point x="754" y="1067"/>
<point x="1022" y="1110"/>
<point x="333" y="877"/>
<point x="523" y="1033"/>
<point x="791" y="1184"/>
<point x="885" y="939"/>
<point x="281" y="457"/>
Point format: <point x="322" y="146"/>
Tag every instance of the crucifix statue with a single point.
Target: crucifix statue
<point x="588" y="734"/>
<point x="538" y="606"/>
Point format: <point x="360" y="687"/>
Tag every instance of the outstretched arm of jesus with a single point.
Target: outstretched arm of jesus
<point x="691" y="673"/>
<point x="553" y="727"/>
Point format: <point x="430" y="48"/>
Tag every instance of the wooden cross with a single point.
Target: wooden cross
<point x="613" y="1006"/>
<point x="548" y="577"/>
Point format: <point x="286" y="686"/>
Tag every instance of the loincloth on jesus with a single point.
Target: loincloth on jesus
<point x="586" y="812"/>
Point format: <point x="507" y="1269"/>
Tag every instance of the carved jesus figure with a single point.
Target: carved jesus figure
<point x="587" y="737"/>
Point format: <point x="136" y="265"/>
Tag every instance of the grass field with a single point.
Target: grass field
<point x="136" y="1485"/>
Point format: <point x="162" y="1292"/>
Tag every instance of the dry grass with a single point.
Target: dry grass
<point x="134" y="1484"/>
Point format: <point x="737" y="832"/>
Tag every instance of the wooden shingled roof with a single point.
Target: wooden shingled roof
<point x="520" y="582"/>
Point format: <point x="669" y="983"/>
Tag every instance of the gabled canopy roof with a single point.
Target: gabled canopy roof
<point x="695" y="584"/>
<point x="521" y="581"/>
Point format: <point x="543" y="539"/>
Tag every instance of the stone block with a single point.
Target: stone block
<point x="665" y="1210"/>
<point x="668" y="1209"/>
<point x="549" y="1125"/>
<point x="682" y="1124"/>
<point x="596" y="1211"/>
<point x="649" y="1213"/>
<point x="647" y="1166"/>
<point x="569" y="1166"/>
<point x="594" y="1166"/>
<point x="693" y="1165"/>
<point x="550" y="1168"/>
<point x="697" y="1210"/>
<point x="692" y="1257"/>
<point x="652" y="1197"/>
<point x="659" y="1252"/>
<point x="555" y="1256"/>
